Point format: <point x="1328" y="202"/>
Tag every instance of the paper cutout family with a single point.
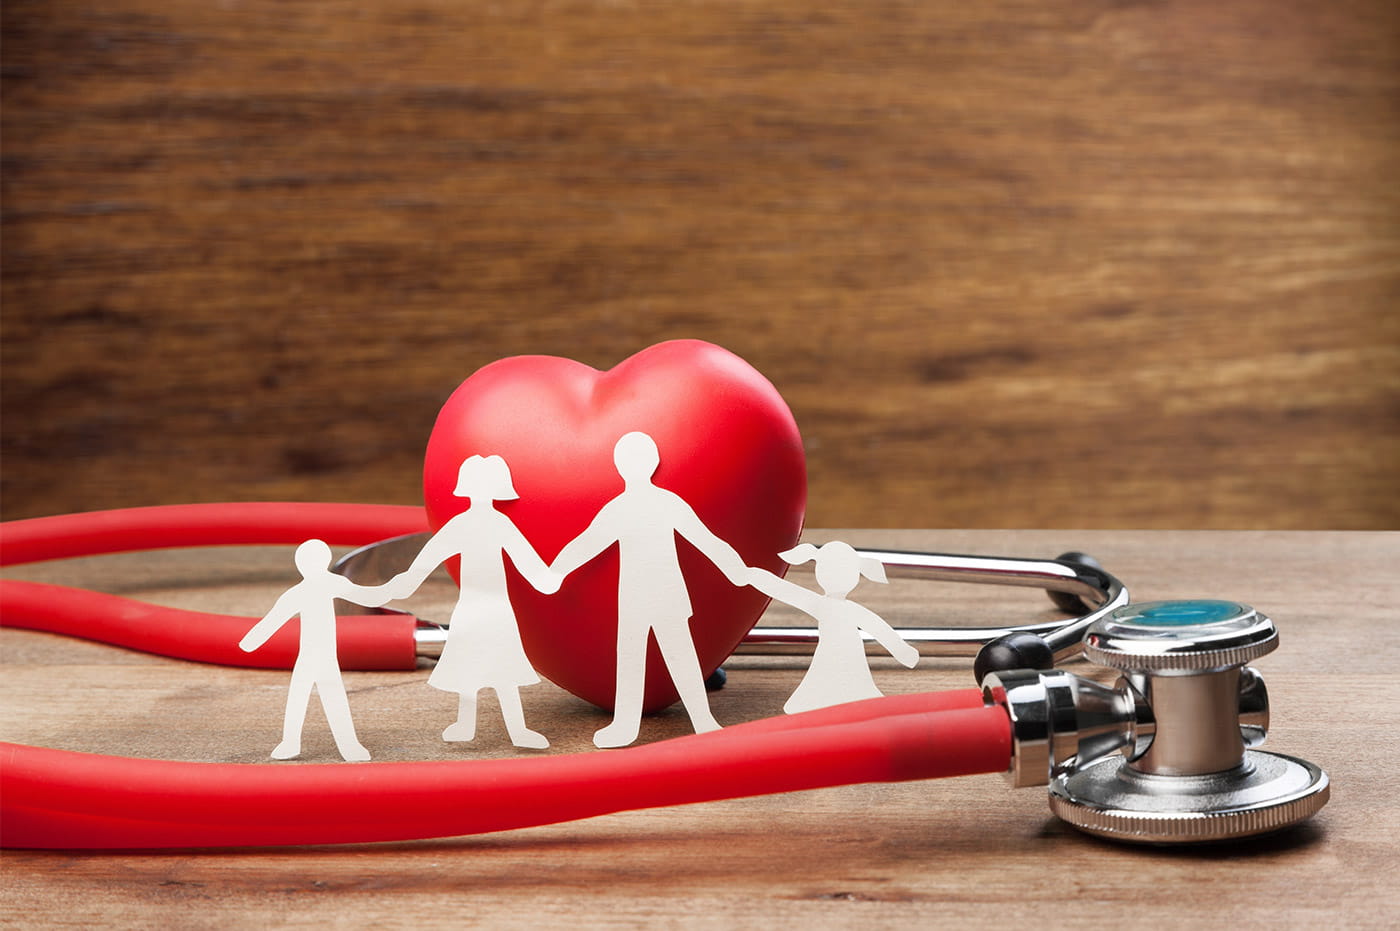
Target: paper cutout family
<point x="484" y="649"/>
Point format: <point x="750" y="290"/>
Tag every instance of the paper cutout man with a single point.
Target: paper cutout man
<point x="483" y="648"/>
<point x="839" y="671"/>
<point x="317" y="664"/>
<point x="643" y="520"/>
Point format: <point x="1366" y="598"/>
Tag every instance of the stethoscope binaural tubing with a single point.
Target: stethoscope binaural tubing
<point x="1081" y="582"/>
<point x="389" y="534"/>
<point x="1076" y="583"/>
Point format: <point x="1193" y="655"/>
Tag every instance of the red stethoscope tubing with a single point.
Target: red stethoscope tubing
<point x="59" y="799"/>
<point x="167" y="526"/>
<point x="56" y="799"/>
<point x="364" y="642"/>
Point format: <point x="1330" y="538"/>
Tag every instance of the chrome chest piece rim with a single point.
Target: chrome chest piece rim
<point x="1267" y="793"/>
<point x="1183" y="636"/>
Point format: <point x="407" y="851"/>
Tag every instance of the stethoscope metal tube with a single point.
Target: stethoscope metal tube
<point x="1088" y="585"/>
<point x="1074" y="581"/>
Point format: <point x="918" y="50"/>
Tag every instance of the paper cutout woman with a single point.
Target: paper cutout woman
<point x="643" y="520"/>
<point x="317" y="664"/>
<point x="839" y="671"/>
<point x="483" y="648"/>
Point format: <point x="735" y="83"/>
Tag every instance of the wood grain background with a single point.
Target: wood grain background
<point x="1012" y="264"/>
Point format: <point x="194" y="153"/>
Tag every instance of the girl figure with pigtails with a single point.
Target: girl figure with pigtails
<point x="839" y="671"/>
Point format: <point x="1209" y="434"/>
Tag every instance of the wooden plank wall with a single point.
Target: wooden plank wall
<point x="1013" y="264"/>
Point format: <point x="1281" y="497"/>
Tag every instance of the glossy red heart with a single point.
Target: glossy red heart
<point x="729" y="446"/>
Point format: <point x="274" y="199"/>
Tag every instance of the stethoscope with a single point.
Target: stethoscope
<point x="1165" y="755"/>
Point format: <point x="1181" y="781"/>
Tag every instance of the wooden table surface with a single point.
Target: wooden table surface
<point x="968" y="852"/>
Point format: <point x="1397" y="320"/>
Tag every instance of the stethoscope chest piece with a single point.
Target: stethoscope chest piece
<point x="1267" y="792"/>
<point x="1186" y="773"/>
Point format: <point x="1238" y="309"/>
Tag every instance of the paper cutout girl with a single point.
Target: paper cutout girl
<point x="643" y="520"/>
<point x="839" y="671"/>
<point x="483" y="648"/>
<point x="317" y="664"/>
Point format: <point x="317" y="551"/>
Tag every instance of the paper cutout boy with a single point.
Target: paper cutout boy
<point x="317" y="664"/>
<point x="483" y="648"/>
<point x="839" y="671"/>
<point x="643" y="520"/>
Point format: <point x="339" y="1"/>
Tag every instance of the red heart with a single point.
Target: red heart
<point x="729" y="446"/>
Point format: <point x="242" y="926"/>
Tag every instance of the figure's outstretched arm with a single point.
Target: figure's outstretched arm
<point x="283" y="610"/>
<point x="780" y="589"/>
<point x="887" y="637"/>
<point x="725" y="557"/>
<point x="369" y="596"/>
<point x="531" y="566"/>
<point x="595" y="538"/>
<point x="439" y="548"/>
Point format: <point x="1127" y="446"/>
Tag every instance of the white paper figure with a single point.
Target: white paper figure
<point x="643" y="520"/>
<point x="317" y="664"/>
<point x="839" y="671"/>
<point x="483" y="648"/>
